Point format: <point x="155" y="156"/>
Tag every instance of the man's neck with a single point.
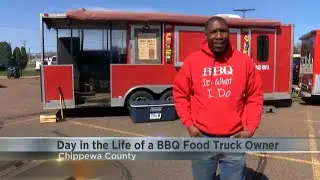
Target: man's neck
<point x="219" y="54"/>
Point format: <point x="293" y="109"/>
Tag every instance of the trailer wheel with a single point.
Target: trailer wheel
<point x="140" y="96"/>
<point x="167" y="96"/>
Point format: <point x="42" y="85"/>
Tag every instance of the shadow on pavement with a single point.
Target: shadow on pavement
<point x="252" y="175"/>
<point x="315" y="101"/>
<point x="2" y="86"/>
<point x="279" y="103"/>
<point x="94" y="112"/>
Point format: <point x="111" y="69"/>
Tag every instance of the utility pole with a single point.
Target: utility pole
<point x="29" y="55"/>
<point x="244" y="11"/>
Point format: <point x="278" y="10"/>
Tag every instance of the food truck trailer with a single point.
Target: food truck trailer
<point x="310" y="65"/>
<point x="154" y="47"/>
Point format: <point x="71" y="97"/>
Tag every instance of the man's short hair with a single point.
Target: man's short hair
<point x="214" y="19"/>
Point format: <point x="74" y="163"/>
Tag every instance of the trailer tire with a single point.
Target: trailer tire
<point x="140" y="96"/>
<point x="167" y="95"/>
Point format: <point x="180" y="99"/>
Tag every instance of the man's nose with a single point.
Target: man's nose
<point x="219" y="34"/>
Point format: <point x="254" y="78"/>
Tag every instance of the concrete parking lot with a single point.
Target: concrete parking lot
<point x="21" y="107"/>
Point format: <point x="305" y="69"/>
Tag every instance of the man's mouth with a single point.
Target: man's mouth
<point x="219" y="44"/>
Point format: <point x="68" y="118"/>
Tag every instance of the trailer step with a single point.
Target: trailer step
<point x="269" y="109"/>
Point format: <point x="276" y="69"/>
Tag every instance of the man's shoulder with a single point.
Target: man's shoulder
<point x="193" y="56"/>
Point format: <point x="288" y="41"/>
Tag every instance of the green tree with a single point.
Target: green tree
<point x="24" y="57"/>
<point x="17" y="56"/>
<point x="5" y="52"/>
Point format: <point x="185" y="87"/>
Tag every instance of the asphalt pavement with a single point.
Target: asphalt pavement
<point x="21" y="119"/>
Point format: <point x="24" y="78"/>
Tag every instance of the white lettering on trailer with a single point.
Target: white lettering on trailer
<point x="263" y="67"/>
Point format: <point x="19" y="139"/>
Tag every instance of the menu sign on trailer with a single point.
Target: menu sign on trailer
<point x="147" y="46"/>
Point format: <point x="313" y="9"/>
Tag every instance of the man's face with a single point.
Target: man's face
<point x="217" y="36"/>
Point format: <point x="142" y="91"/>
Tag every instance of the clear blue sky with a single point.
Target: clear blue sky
<point x="20" y="18"/>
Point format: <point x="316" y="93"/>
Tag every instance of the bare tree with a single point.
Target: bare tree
<point x="297" y="48"/>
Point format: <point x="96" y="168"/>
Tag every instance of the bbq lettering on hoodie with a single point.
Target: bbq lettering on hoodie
<point x="216" y="81"/>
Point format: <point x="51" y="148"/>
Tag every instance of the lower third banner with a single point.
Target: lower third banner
<point x="151" y="148"/>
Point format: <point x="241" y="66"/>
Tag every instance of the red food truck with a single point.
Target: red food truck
<point x="154" y="46"/>
<point x="310" y="65"/>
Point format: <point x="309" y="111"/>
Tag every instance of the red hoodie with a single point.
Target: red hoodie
<point x="219" y="96"/>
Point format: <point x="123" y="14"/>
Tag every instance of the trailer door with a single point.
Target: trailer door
<point x="57" y="80"/>
<point x="263" y="54"/>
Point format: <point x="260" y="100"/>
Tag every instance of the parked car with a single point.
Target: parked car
<point x="13" y="71"/>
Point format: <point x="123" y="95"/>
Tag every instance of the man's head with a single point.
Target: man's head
<point x="217" y="32"/>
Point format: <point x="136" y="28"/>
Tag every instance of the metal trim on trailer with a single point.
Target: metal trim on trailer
<point x="275" y="61"/>
<point x="176" y="47"/>
<point x="57" y="43"/>
<point x="133" y="42"/>
<point x="196" y="28"/>
<point x="117" y="102"/>
<point x="163" y="38"/>
<point x="42" y="61"/>
<point x="263" y="29"/>
<point x="238" y="31"/>
<point x="55" y="104"/>
<point x="121" y="99"/>
<point x="110" y="82"/>
<point x="291" y="59"/>
<point x="276" y="96"/>
<point x="249" y="38"/>
<point x="155" y="88"/>
<point x="53" y="15"/>
<point x="305" y="94"/>
<point x="316" y="88"/>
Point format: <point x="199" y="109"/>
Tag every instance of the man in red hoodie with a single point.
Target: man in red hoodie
<point x="218" y="93"/>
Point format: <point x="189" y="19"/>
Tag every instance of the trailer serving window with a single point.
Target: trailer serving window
<point x="262" y="48"/>
<point x="146" y="44"/>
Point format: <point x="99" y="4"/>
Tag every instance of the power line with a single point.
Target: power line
<point x="244" y="11"/>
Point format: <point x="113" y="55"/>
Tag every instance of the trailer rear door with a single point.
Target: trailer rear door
<point x="57" y="80"/>
<point x="263" y="54"/>
<point x="187" y="39"/>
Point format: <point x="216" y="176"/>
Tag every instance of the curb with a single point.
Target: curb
<point x="23" y="77"/>
<point x="11" y="167"/>
<point x="19" y="168"/>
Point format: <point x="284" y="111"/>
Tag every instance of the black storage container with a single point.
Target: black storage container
<point x="152" y="111"/>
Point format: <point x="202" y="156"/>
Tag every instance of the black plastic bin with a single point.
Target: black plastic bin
<point x="152" y="111"/>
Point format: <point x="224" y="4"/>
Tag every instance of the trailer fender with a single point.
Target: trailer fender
<point x="153" y="90"/>
<point x="167" y="95"/>
<point x="140" y="96"/>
